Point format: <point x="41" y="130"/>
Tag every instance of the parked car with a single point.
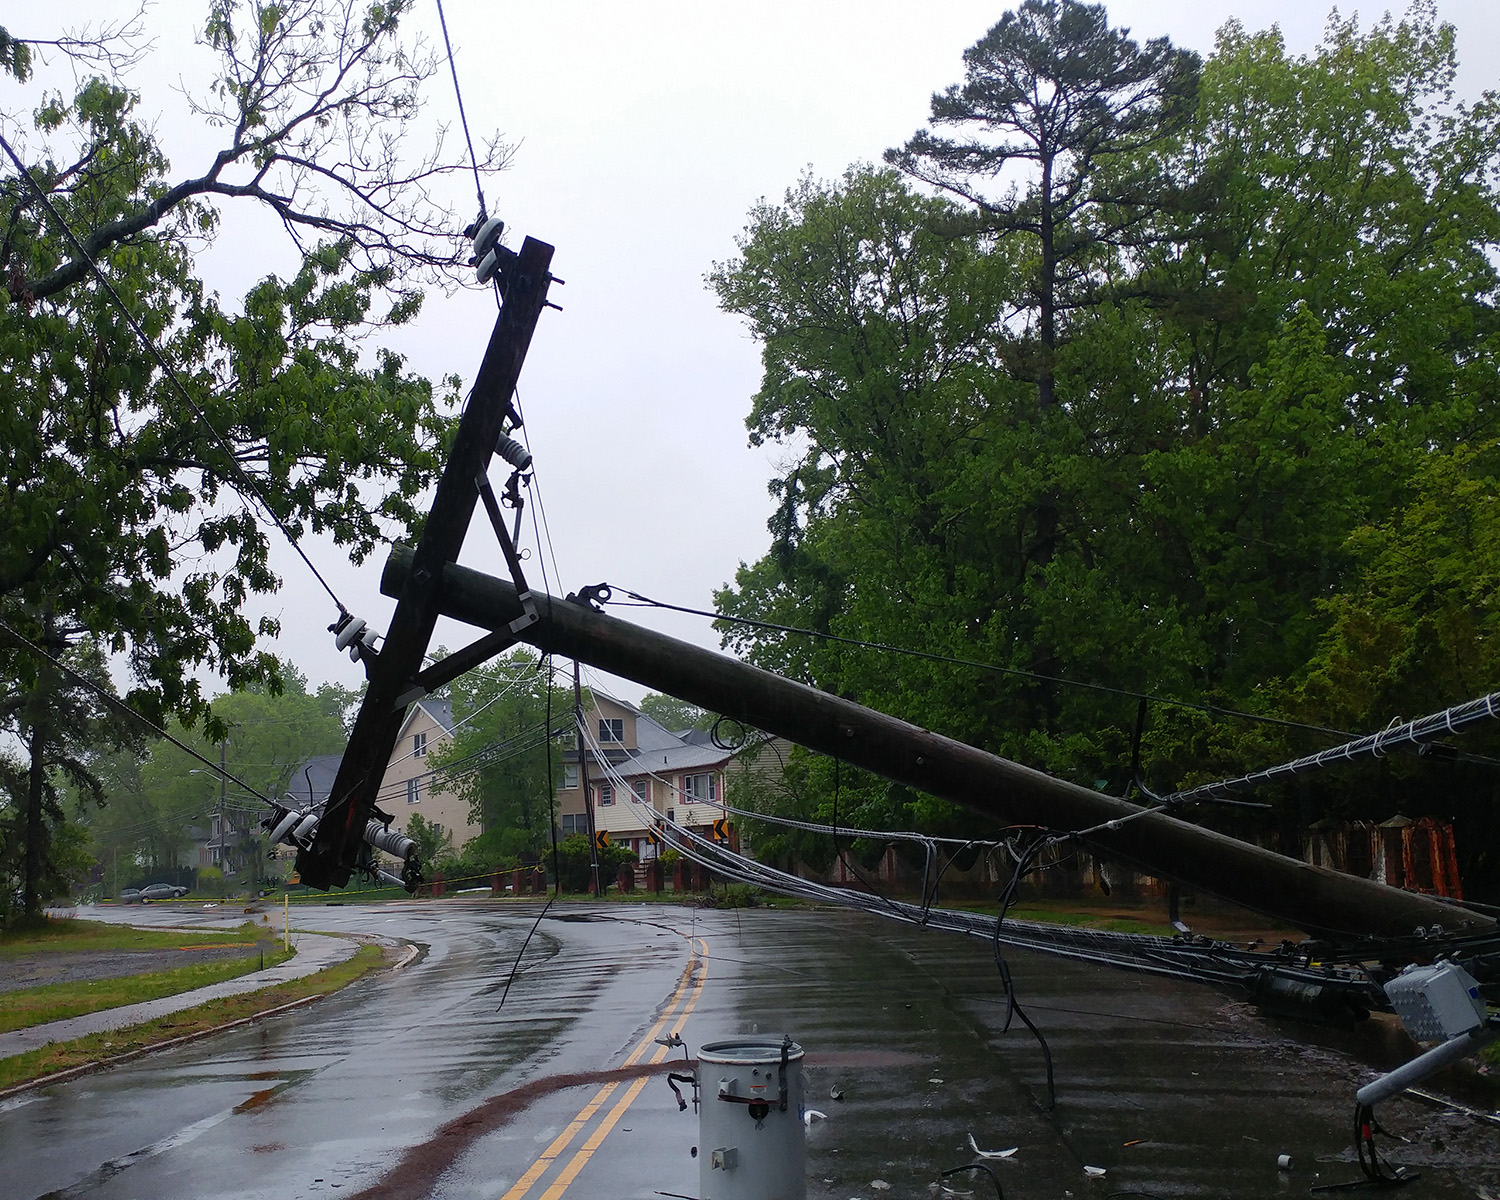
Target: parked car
<point x="162" y="891"/>
<point x="130" y="895"/>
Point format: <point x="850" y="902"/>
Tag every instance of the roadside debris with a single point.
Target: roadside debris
<point x="974" y="1146"/>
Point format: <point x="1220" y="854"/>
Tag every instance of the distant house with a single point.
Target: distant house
<point x="635" y="769"/>
<point x="409" y="786"/>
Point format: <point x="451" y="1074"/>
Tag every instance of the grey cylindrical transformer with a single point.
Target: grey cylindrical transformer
<point x="751" y="1131"/>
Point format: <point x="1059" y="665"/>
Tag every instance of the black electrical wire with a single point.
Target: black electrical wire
<point x="121" y="707"/>
<point x="552" y="791"/>
<point x="1024" y="859"/>
<point x="1370" y="1162"/>
<point x="462" y="118"/>
<point x="995" y="1179"/>
<point x="169" y="370"/>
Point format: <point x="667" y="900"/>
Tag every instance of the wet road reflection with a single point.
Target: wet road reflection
<point x="414" y="1084"/>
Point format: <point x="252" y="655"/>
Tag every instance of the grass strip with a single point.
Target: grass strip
<point x="69" y="934"/>
<point x="104" y="1048"/>
<point x="26" y="1007"/>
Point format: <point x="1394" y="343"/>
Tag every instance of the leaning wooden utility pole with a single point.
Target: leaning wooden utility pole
<point x="1312" y="898"/>
<point x="338" y="845"/>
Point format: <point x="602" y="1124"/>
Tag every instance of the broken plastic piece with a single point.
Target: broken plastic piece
<point x="812" y="1115"/>
<point x="1094" y="1172"/>
<point x="974" y="1146"/>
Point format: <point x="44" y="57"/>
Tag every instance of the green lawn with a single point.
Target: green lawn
<point x="59" y="1056"/>
<point x="72" y="934"/>
<point x="58" y="1001"/>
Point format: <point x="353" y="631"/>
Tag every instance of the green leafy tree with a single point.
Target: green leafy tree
<point x="1052" y="89"/>
<point x="154" y="802"/>
<point x="138" y="504"/>
<point x="501" y="759"/>
<point x="434" y="845"/>
<point x="1247" y="434"/>
<point x="64" y="727"/>
<point x="676" y="715"/>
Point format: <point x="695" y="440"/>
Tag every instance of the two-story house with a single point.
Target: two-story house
<point x="636" y="768"/>
<point x="410" y="786"/>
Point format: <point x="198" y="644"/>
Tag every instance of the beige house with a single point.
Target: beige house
<point x="409" y="786"/>
<point x="636" y="771"/>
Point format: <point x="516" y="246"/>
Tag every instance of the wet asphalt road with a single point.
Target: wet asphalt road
<point x="413" y="1084"/>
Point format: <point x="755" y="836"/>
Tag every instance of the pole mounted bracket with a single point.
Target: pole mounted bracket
<point x="595" y="596"/>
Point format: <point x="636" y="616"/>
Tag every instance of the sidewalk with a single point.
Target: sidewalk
<point x="314" y="952"/>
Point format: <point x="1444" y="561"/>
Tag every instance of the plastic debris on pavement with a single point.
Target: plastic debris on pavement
<point x="974" y="1146"/>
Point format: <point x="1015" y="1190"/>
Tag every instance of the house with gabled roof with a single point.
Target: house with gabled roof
<point x="638" y="771"/>
<point x="409" y="786"/>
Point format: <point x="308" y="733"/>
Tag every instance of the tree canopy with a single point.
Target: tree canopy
<point x="1246" y="474"/>
<point x="502" y="759"/>
<point x="154" y="436"/>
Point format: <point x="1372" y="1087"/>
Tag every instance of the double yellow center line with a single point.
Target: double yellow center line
<point x="689" y="988"/>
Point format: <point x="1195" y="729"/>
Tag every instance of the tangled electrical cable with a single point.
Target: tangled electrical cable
<point x="1027" y="855"/>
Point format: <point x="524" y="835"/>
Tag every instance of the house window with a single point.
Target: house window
<point x="699" y="789"/>
<point x="671" y="814"/>
<point x="611" y="729"/>
<point x="419" y="745"/>
<point x="570" y="775"/>
<point x="413" y="790"/>
<point x="606" y="794"/>
<point x="574" y="823"/>
<point x="639" y="787"/>
<point x="566" y="739"/>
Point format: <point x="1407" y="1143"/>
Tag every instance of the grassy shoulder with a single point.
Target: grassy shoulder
<point x="70" y="933"/>
<point x="101" y="1047"/>
<point x="59" y="1001"/>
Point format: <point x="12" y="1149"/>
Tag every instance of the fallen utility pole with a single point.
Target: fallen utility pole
<point x="1315" y="899"/>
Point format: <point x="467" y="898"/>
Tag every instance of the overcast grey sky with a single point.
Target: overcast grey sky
<point x="646" y="131"/>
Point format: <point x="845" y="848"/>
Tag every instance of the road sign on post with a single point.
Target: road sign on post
<point x="601" y="840"/>
<point x="721" y="830"/>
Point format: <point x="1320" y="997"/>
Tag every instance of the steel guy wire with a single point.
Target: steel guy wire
<point x="120" y="706"/>
<point x="1107" y="689"/>
<point x="1412" y="733"/>
<point x="463" y="119"/>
